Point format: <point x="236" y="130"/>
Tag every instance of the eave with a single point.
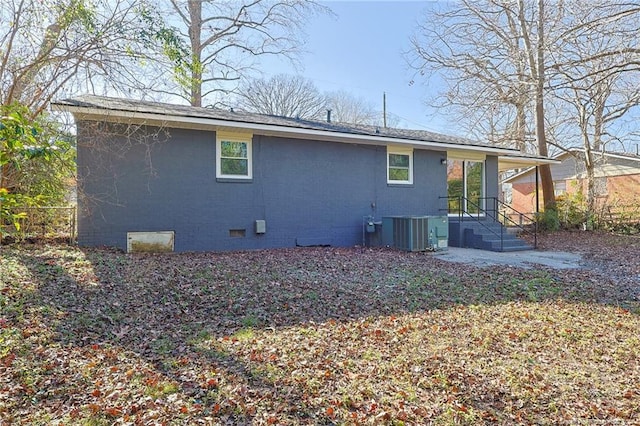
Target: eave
<point x="508" y="158"/>
<point x="506" y="162"/>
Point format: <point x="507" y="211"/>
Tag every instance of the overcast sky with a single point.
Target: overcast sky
<point x="360" y="50"/>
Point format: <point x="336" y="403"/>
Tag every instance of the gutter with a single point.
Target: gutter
<point x="202" y="123"/>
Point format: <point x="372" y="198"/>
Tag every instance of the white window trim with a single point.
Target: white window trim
<point x="400" y="151"/>
<point x="559" y="187"/>
<point x="234" y="137"/>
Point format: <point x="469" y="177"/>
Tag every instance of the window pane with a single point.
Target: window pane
<point x="455" y="185"/>
<point x="398" y="174"/>
<point x="465" y="180"/>
<point x="559" y="188"/>
<point x="398" y="160"/>
<point x="455" y="178"/>
<point x="475" y="193"/>
<point x="233" y="149"/>
<point x="230" y="166"/>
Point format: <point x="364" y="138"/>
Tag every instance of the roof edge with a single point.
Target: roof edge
<point x="92" y="111"/>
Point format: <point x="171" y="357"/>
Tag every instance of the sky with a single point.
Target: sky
<point x="360" y="50"/>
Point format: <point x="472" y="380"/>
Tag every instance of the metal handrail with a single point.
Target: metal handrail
<point x="463" y="211"/>
<point x="521" y="215"/>
<point x="494" y="214"/>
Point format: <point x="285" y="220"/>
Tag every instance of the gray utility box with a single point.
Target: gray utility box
<point x="416" y="233"/>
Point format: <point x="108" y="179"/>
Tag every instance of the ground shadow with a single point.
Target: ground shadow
<point x="175" y="307"/>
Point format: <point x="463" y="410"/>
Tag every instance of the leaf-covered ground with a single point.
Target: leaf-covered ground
<point x="318" y="336"/>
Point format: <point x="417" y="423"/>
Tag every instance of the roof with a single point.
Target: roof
<point x="602" y="169"/>
<point x="102" y="108"/>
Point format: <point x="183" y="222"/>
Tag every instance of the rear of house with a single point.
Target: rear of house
<point x="223" y="180"/>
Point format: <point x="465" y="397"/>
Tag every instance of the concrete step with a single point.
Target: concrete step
<point x="523" y="247"/>
<point x="507" y="245"/>
<point x="487" y="236"/>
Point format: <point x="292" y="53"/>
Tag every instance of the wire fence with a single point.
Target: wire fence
<point x="40" y="223"/>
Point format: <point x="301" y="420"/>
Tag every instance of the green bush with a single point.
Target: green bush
<point x="548" y="220"/>
<point x="572" y="210"/>
<point x="37" y="164"/>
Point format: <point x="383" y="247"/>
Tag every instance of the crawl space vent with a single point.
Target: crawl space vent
<point x="150" y="242"/>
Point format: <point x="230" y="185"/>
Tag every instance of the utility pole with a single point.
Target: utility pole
<point x="384" y="109"/>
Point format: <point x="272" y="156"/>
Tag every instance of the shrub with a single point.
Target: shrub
<point x="37" y="163"/>
<point x="548" y="220"/>
<point x="572" y="210"/>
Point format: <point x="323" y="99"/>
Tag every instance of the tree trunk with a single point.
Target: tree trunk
<point x="546" y="179"/>
<point x="537" y="70"/>
<point x="588" y="160"/>
<point x="598" y="129"/>
<point x="521" y="126"/>
<point x="548" y="195"/>
<point x="195" y="38"/>
<point x="590" y="178"/>
<point x="27" y="78"/>
<point x="595" y="143"/>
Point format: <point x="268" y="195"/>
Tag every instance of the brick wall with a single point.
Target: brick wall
<point x="306" y="191"/>
<point x="524" y="198"/>
<point x="621" y="190"/>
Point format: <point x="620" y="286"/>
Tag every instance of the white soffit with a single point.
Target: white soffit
<point x="464" y="155"/>
<point x="510" y="163"/>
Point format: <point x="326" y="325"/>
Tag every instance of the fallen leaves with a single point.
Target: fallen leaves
<point x="315" y="336"/>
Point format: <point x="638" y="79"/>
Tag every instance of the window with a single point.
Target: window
<point x="233" y="155"/>
<point x="559" y="187"/>
<point x="465" y="184"/>
<point x="399" y="165"/>
<point x="474" y="185"/>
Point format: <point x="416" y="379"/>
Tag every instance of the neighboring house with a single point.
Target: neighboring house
<point x="617" y="180"/>
<point x="222" y="180"/>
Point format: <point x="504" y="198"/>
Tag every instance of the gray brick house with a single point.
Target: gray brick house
<point x="216" y="179"/>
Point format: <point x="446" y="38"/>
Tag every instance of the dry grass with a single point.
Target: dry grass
<point x="317" y="336"/>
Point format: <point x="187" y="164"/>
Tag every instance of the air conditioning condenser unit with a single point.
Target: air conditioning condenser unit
<point x="416" y="233"/>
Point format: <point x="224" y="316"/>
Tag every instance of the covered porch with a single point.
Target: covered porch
<point x="478" y="217"/>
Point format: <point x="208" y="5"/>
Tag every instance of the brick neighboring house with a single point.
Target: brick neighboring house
<point x="617" y="181"/>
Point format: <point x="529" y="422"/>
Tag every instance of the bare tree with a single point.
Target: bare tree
<point x="535" y="53"/>
<point x="223" y="39"/>
<point x="348" y="108"/>
<point x="597" y="79"/>
<point x="503" y="60"/>
<point x="49" y="48"/>
<point x="478" y="50"/>
<point x="493" y="56"/>
<point x="283" y="95"/>
<point x="295" y="96"/>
